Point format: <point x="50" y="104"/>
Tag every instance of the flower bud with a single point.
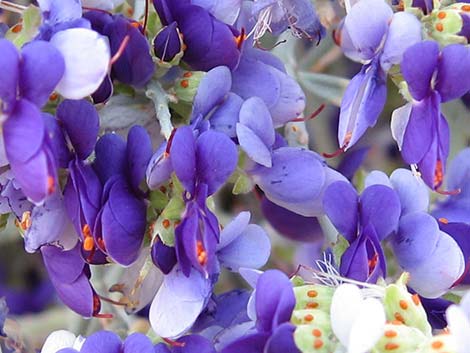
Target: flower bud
<point x="187" y="85"/>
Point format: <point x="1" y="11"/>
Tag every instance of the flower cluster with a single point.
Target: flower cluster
<point x="152" y="153"/>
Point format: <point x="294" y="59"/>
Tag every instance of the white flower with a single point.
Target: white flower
<point x="356" y="321"/>
<point x="458" y="319"/>
<point x="58" y="340"/>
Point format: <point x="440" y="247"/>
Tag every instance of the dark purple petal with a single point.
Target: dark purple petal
<point x="380" y="206"/>
<point x="294" y="181"/>
<point x="63" y="266"/>
<point x="135" y="66"/>
<point x="82" y="123"/>
<point x="137" y="343"/>
<point x="104" y="92"/>
<point x="23" y="132"/>
<point x="418" y="66"/>
<point x="111" y="157"/>
<point x="420" y="128"/>
<point x="167" y="43"/>
<point x="139" y="152"/>
<point x="216" y="159"/>
<point x="9" y="62"/>
<point x="341" y="205"/>
<point x="290" y="224"/>
<point x="212" y="90"/>
<point x="415" y="239"/>
<point x="41" y="69"/>
<point x="454" y="65"/>
<point x="194" y="344"/>
<point x="123" y="223"/>
<point x="102" y="342"/>
<point x="159" y="168"/>
<point x="253" y="343"/>
<point x="282" y="340"/>
<point x="183" y="157"/>
<point x="460" y="232"/>
<point x="161" y="348"/>
<point x="362" y="103"/>
<point x="55" y="139"/>
<point x="274" y="300"/>
<point x="164" y="257"/>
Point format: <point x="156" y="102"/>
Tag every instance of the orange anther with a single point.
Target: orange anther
<point x="318" y="343"/>
<point x="308" y="317"/>
<point x="390" y="333"/>
<point x="53" y="96"/>
<point x="416" y="300"/>
<point x="184" y="83"/>
<point x="441" y="15"/>
<point x="88" y="243"/>
<point x="391" y="346"/>
<point x="439" y="27"/>
<point x="437" y="345"/>
<point x="398" y="317"/>
<point x="188" y="74"/>
<point x="316" y="332"/>
<point x="312" y="305"/>
<point x="17" y="28"/>
<point x="25" y="222"/>
<point x="466" y="8"/>
<point x="443" y="220"/>
<point x="50" y="184"/>
<point x="312" y="293"/>
<point x="166" y="223"/>
<point x="403" y="304"/>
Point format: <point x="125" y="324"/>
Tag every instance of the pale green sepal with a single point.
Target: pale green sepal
<point x="187" y="85"/>
<point x="310" y="316"/>
<point x="243" y="184"/>
<point x="400" y="339"/>
<point x="445" y="342"/>
<point x="400" y="305"/>
<point x="314" y="339"/>
<point x="29" y="27"/>
<point x="313" y="296"/>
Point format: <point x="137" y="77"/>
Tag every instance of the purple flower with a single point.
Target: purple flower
<point x="167" y="44"/>
<point x="276" y="16"/>
<point x="215" y="45"/>
<point x="372" y="34"/>
<point x="109" y="342"/>
<point x="274" y="303"/>
<point x="421" y="130"/>
<point x="360" y="219"/>
<point x="28" y="82"/>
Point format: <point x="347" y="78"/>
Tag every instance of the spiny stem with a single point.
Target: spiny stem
<point x="10" y="6"/>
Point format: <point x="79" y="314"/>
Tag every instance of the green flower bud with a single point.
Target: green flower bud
<point x="444" y="26"/>
<point x="186" y="86"/>
<point x="400" y="305"/>
<point x="310" y="316"/>
<point x="313" y="296"/>
<point x="398" y="338"/>
<point x="314" y="339"/>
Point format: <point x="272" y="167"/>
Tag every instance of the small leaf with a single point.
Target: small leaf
<point x="243" y="184"/>
<point x="328" y="87"/>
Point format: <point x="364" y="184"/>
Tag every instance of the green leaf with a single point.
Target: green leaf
<point x="328" y="87"/>
<point x="243" y="184"/>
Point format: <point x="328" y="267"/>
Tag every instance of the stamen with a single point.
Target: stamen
<point x="335" y="153"/>
<point x="259" y="46"/>
<point x="120" y="50"/>
<point x="12" y="7"/>
<point x="449" y="192"/>
<point x="25" y="222"/>
<point x="443" y="220"/>
<point x="144" y="26"/>
<point x="103" y="316"/>
<point x="201" y="253"/>
<point x="169" y="142"/>
<point x="240" y="38"/>
<point x="313" y="115"/>
<point x="174" y="343"/>
<point x="50" y="184"/>
<point x="108" y="300"/>
<point x="95" y="9"/>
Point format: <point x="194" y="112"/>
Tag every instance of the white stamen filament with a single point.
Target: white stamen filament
<point x="12" y="7"/>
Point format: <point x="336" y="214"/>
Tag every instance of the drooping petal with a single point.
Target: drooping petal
<point x="250" y="249"/>
<point x="111" y="157"/>
<point x="183" y="157"/>
<point x="41" y="70"/>
<point x="454" y="64"/>
<point x="340" y="203"/>
<point x="362" y="103"/>
<point x="380" y="206"/>
<point x="367" y="36"/>
<point x="399" y="122"/>
<point x="282" y="340"/>
<point x="415" y="239"/>
<point x="254" y="147"/>
<point x="216" y="159"/>
<point x="123" y="224"/>
<point x="159" y="168"/>
<point x="86" y="55"/>
<point x="211" y="90"/>
<point x="420" y="129"/>
<point x="418" y="66"/>
<point x="9" y="61"/>
<point x="178" y="303"/>
<point x="233" y="230"/>
<point x="275" y="300"/>
<point x="294" y="180"/>
<point x="139" y="152"/>
<point x="255" y="115"/>
<point x="82" y="123"/>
